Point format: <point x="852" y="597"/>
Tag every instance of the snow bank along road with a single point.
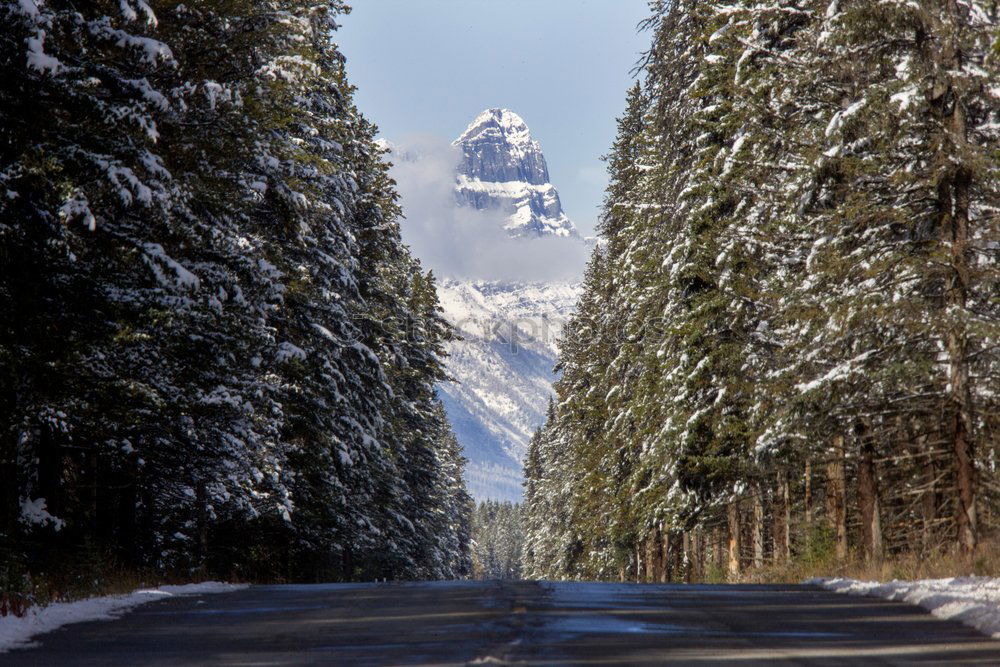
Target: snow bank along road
<point x="456" y="623"/>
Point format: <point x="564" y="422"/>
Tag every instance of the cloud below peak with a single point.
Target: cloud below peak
<point x="463" y="242"/>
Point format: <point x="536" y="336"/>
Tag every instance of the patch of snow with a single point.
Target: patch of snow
<point x="78" y="208"/>
<point x="18" y="632"/>
<point x="287" y="350"/>
<point x="34" y="513"/>
<point x="906" y="98"/>
<point x="28" y="8"/>
<point x="37" y="58"/>
<point x="155" y="255"/>
<point x="973" y="601"/>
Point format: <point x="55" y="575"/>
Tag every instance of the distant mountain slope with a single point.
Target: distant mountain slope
<point x="504" y="371"/>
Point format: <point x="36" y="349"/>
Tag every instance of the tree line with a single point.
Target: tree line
<point x="790" y="329"/>
<point x="216" y="354"/>
<point x="497" y="540"/>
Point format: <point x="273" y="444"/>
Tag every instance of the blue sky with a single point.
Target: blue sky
<point x="428" y="67"/>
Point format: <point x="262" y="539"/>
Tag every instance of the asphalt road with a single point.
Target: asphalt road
<point x="457" y="623"/>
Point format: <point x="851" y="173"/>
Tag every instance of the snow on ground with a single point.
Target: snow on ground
<point x="18" y="632"/>
<point x="974" y="601"/>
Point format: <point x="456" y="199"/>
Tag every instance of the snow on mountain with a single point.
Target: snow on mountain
<point x="504" y="370"/>
<point x="504" y="168"/>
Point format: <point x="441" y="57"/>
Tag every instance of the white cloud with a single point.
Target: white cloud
<point x="462" y="242"/>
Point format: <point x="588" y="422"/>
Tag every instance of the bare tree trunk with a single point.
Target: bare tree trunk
<point x="686" y="556"/>
<point x="808" y="495"/>
<point x="782" y="520"/>
<point x="201" y="498"/>
<point x="650" y="541"/>
<point x="665" y="548"/>
<point x="928" y="501"/>
<point x="757" y="527"/>
<point x="954" y="202"/>
<point x="656" y="545"/>
<point x="965" y="510"/>
<point x="868" y="498"/>
<point x="733" y="519"/>
<point x="698" y="571"/>
<point x="96" y="525"/>
<point x="836" y="502"/>
<point x="718" y="549"/>
<point x="680" y="569"/>
<point x="693" y="567"/>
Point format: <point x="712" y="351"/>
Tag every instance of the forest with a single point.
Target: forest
<point x="788" y="346"/>
<point x="217" y="357"/>
<point x="497" y="540"/>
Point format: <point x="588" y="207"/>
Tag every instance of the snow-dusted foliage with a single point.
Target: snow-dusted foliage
<point x="497" y="540"/>
<point x="216" y="351"/>
<point x="795" y="297"/>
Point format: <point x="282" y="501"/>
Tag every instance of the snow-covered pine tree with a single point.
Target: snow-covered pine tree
<point x="194" y="219"/>
<point x="498" y="530"/>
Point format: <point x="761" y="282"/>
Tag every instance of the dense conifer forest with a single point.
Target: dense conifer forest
<point x="497" y="540"/>
<point x="789" y="338"/>
<point x="216" y="354"/>
<point x="218" y="357"/>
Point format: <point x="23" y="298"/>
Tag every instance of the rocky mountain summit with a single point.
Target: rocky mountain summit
<point x="503" y="168"/>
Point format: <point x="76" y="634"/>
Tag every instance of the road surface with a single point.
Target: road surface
<point x="458" y="623"/>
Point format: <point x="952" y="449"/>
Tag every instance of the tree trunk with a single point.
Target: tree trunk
<point x="718" y="550"/>
<point x="808" y="495"/>
<point x="954" y="202"/>
<point x="835" y="501"/>
<point x="201" y="497"/>
<point x="928" y="498"/>
<point x="677" y="544"/>
<point x="868" y="498"/>
<point x="757" y="528"/>
<point x="95" y="527"/>
<point x="733" y="520"/>
<point x="665" y="548"/>
<point x="49" y="470"/>
<point x="686" y="558"/>
<point x="782" y="520"/>
<point x="698" y="565"/>
<point x="656" y="544"/>
<point x="347" y="559"/>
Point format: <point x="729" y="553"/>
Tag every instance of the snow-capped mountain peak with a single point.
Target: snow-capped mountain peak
<point x="503" y="168"/>
<point x="505" y="128"/>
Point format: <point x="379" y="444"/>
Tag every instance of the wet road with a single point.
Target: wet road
<point x="457" y="623"/>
